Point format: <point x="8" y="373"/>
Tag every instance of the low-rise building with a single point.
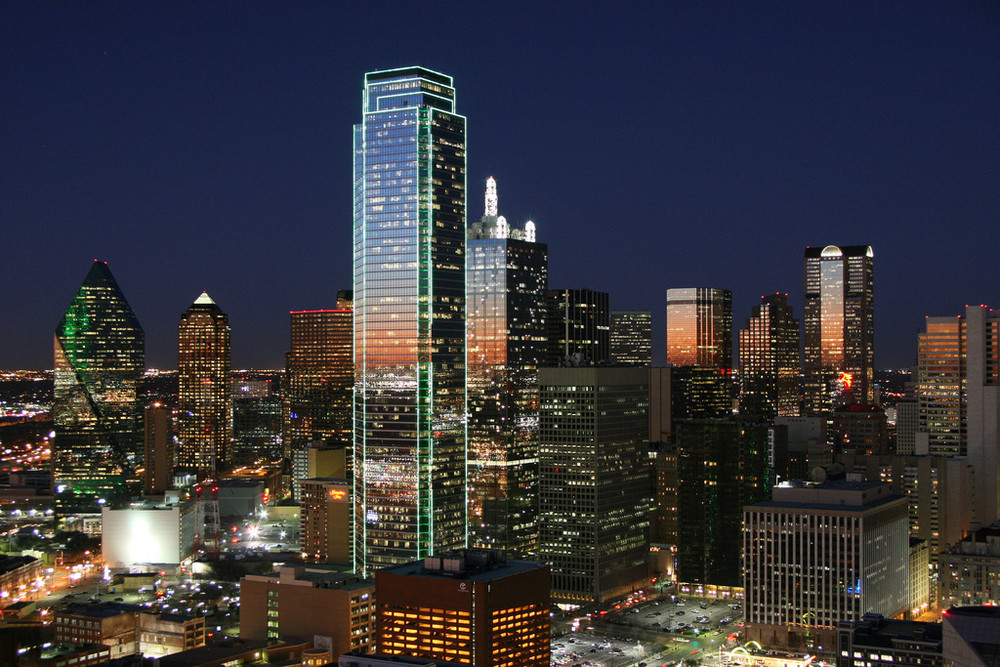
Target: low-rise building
<point x="111" y="624"/>
<point x="164" y="634"/>
<point x="969" y="572"/>
<point x="875" y="641"/>
<point x="299" y="602"/>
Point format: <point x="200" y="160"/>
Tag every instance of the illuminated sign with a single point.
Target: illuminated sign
<point x="337" y="494"/>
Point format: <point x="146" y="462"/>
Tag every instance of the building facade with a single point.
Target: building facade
<point x="325" y="521"/>
<point x="700" y="328"/>
<point x="99" y="362"/>
<point x="158" y="442"/>
<point x="308" y="602"/>
<point x="319" y="376"/>
<point x="839" y="361"/>
<point x="204" y="397"/>
<point x="820" y="554"/>
<point x="958" y="395"/>
<point x="632" y="337"/>
<point x="409" y="318"/>
<point x="506" y="284"/>
<point x="769" y="360"/>
<point x="579" y="323"/>
<point x="469" y="606"/>
<point x="594" y="488"/>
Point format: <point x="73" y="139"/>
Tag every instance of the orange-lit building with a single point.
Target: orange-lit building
<point x="700" y="328"/>
<point x="204" y="399"/>
<point x="309" y="602"/>
<point x="325" y="521"/>
<point x="467" y="606"/>
<point x="839" y="359"/>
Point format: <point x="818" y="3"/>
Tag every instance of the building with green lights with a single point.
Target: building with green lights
<point x="99" y="362"/>
<point x="506" y="283"/>
<point x="409" y="319"/>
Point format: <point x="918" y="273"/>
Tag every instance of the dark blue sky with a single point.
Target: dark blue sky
<point x="207" y="145"/>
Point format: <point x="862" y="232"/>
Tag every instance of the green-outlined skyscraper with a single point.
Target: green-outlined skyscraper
<point x="409" y="319"/>
<point x="99" y="362"/>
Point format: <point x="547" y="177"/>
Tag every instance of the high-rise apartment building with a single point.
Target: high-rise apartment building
<point x="204" y="397"/>
<point x="839" y="327"/>
<point x="816" y="555"/>
<point x="700" y="328"/>
<point x="409" y="319"/>
<point x="579" y="322"/>
<point x="632" y="337"/>
<point x="506" y="284"/>
<point x="99" y="362"/>
<point x="769" y="360"/>
<point x="594" y="485"/>
<point x="470" y="607"/>
<point x="319" y="376"/>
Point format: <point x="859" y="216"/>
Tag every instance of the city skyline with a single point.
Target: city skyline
<point x="133" y="131"/>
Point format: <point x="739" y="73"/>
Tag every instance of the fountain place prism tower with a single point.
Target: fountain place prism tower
<point x="409" y="319"/>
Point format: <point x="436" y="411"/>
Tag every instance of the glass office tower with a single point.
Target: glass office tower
<point x="700" y="328"/>
<point x="409" y="319"/>
<point x="99" y="362"/>
<point x="769" y="360"/>
<point x="507" y="279"/>
<point x="839" y="361"/>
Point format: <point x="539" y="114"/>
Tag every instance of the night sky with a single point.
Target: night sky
<point x="207" y="146"/>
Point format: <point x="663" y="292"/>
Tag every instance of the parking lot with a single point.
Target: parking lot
<point x="663" y="631"/>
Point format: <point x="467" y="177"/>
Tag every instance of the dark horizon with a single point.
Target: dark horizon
<point x="202" y="147"/>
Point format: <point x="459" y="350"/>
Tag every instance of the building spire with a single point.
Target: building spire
<point x="491" y="197"/>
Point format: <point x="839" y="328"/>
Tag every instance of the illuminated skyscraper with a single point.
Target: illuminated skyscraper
<point x="204" y="397"/>
<point x="959" y="398"/>
<point x="632" y="337"/>
<point x="579" y="322"/>
<point x="99" y="361"/>
<point x="409" y="319"/>
<point x="319" y="376"/>
<point x="506" y="280"/>
<point x="839" y="327"/>
<point x="769" y="360"/>
<point x="700" y="328"/>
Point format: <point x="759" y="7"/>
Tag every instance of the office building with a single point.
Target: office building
<point x="839" y="362"/>
<point x="579" y="323"/>
<point x="815" y="555"/>
<point x="111" y="624"/>
<point x="319" y="376"/>
<point x="969" y="570"/>
<point x="594" y="482"/>
<point x="506" y="284"/>
<point x="936" y="488"/>
<point x="204" y="398"/>
<point x="769" y="360"/>
<point x="971" y="636"/>
<point x="317" y="460"/>
<point x="876" y="641"/>
<point x="99" y="362"/>
<point x="325" y="521"/>
<point x="257" y="427"/>
<point x="468" y="606"/>
<point x="310" y="603"/>
<point x="663" y="518"/>
<point x="632" y="337"/>
<point x="409" y="319"/>
<point x="699" y="393"/>
<point x="722" y="465"/>
<point x="700" y="328"/>
<point x="159" y="445"/>
<point x="863" y="429"/>
<point x="959" y="398"/>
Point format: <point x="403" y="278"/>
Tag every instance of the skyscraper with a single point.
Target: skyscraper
<point x="579" y="322"/>
<point x="594" y="486"/>
<point x="319" y="376"/>
<point x="409" y="319"/>
<point x="700" y="328"/>
<point x="839" y="327"/>
<point x="632" y="337"/>
<point x="769" y="360"/>
<point x="506" y="281"/>
<point x="958" y="396"/>
<point x="99" y="362"/>
<point x="204" y="397"/>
